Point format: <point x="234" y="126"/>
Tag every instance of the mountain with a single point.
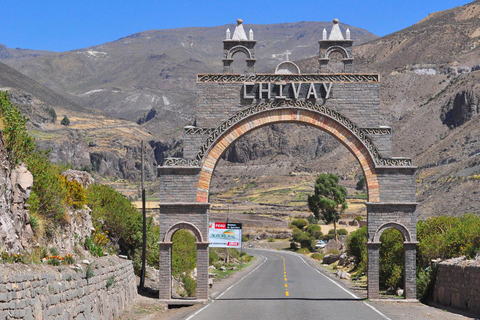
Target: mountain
<point x="157" y="69"/>
<point x="92" y="141"/>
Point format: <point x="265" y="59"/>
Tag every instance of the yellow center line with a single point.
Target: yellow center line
<point x="285" y="276"/>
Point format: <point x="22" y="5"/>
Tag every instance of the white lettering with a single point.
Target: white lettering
<point x="296" y="91"/>
<point x="280" y="91"/>
<point x="245" y="94"/>
<point x="261" y="90"/>
<point x="327" y="90"/>
<point x="311" y="91"/>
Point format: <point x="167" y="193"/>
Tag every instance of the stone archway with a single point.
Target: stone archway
<point x="327" y="121"/>
<point x="345" y="105"/>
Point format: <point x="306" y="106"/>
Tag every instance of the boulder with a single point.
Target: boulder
<point x="330" y="258"/>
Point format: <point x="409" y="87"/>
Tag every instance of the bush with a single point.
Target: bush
<point x="65" y="121"/>
<point x="212" y="257"/>
<point x="391" y="259"/>
<point x="112" y="212"/>
<point x="299" y="223"/>
<point x="190" y="285"/>
<point x="342" y="232"/>
<point x="75" y="193"/>
<point x="184" y="253"/>
<point x="317" y="256"/>
<point x="357" y="247"/>
<point x="328" y="237"/>
<point x="315" y="231"/>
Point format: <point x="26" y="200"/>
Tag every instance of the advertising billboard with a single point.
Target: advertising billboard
<point x="225" y="235"/>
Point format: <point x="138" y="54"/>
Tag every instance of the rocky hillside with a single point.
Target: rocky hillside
<point x="156" y="69"/>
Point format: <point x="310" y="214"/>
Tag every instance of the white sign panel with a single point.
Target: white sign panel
<point x="225" y="235"/>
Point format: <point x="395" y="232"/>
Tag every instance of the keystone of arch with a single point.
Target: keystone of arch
<point x="288" y="115"/>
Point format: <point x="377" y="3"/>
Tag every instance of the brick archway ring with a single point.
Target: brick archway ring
<point x="183" y="225"/>
<point x="289" y="115"/>
<point x="393" y="225"/>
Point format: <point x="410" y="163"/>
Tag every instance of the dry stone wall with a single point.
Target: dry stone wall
<point x="103" y="291"/>
<point x="458" y="285"/>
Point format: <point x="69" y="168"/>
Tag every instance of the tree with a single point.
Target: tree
<point x="361" y="183"/>
<point x="65" y="121"/>
<point x="328" y="199"/>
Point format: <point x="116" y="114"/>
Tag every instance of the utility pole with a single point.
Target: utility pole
<point x="144" y="246"/>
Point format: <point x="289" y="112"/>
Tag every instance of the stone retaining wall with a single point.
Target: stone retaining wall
<point x="102" y="291"/>
<point x="458" y="285"/>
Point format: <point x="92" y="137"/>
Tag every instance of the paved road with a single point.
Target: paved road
<point x="284" y="286"/>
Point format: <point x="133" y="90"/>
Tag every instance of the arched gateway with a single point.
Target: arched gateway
<point x="346" y="105"/>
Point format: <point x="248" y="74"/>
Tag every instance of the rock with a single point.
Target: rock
<point x="82" y="177"/>
<point x="476" y="68"/>
<point x="345" y="275"/>
<point x="342" y="259"/>
<point x="223" y="269"/>
<point x="461" y="108"/>
<point x="87" y="262"/>
<point x="330" y="258"/>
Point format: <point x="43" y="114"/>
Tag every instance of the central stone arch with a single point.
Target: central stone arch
<point x="325" y="121"/>
<point x="344" y="105"/>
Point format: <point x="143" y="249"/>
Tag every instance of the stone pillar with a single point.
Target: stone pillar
<point x="165" y="268"/>
<point x="410" y="265"/>
<point x="202" y="270"/>
<point x="373" y="249"/>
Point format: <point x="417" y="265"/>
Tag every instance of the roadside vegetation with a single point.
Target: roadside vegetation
<point x="118" y="225"/>
<point x="442" y="237"/>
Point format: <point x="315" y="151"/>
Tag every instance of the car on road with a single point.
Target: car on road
<point x="320" y="244"/>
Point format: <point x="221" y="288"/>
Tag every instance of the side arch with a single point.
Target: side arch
<point x="393" y="225"/>
<point x="339" y="49"/>
<point x="183" y="225"/>
<point x="288" y="115"/>
<point x="238" y="49"/>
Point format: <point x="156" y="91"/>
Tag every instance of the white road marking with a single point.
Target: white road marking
<point x="350" y="293"/>
<point x="233" y="285"/>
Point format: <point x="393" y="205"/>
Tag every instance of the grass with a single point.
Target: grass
<point x="222" y="275"/>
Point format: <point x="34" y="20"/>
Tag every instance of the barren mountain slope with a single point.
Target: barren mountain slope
<point x="157" y="68"/>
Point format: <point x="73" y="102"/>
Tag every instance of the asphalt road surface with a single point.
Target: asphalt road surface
<point x="282" y="287"/>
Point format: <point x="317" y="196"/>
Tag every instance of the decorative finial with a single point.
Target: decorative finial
<point x="347" y="33"/>
<point x="324" y="35"/>
<point x="335" y="21"/>
<point x="239" y="21"/>
<point x="228" y="34"/>
<point x="250" y="35"/>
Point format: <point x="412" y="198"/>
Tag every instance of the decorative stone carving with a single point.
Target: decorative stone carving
<point x="240" y="78"/>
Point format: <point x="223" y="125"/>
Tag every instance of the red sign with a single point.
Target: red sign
<point x="220" y="225"/>
<point x="233" y="244"/>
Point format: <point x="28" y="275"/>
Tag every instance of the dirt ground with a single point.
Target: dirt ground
<point x="147" y="306"/>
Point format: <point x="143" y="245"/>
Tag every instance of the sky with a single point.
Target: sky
<point x="67" y="25"/>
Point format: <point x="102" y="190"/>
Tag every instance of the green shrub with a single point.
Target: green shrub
<point x="184" y="252"/>
<point x="328" y="237"/>
<point x="112" y="212"/>
<point x="357" y="247"/>
<point x="65" y="121"/>
<point x="391" y="258"/>
<point x="342" y="232"/>
<point x="317" y="256"/>
<point x="304" y="251"/>
<point x="190" y="285"/>
<point x="299" y="223"/>
<point x="212" y="257"/>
